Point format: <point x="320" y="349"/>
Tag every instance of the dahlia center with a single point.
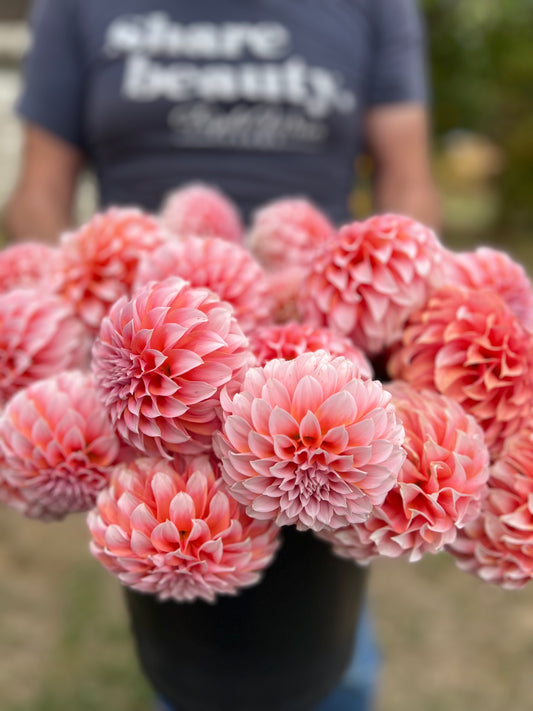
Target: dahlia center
<point x="312" y="481"/>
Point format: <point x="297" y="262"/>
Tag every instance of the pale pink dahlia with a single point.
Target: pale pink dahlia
<point x="367" y="281"/>
<point x="469" y="345"/>
<point x="39" y="336"/>
<point x="58" y="445"/>
<point x="284" y="286"/>
<point x="204" y="211"/>
<point x="30" y="264"/>
<point x="487" y="268"/>
<point x="224" y="267"/>
<point x="498" y="545"/>
<point x="178" y="534"/>
<point x="288" y="232"/>
<point x="99" y="260"/>
<point x="292" y="339"/>
<point x="160" y="362"/>
<point x="440" y="486"/>
<point x="309" y="442"/>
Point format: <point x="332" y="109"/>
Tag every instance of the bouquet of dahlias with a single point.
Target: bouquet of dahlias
<point x="201" y="386"/>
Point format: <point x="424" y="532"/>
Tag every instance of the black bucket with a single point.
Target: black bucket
<point x="282" y="645"/>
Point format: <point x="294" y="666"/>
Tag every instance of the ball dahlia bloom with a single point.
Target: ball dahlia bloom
<point x="366" y="281"/>
<point x="309" y="442"/>
<point x="39" y="336"/>
<point x="283" y="287"/>
<point x="440" y="486"/>
<point x="293" y="339"/>
<point x="27" y="265"/>
<point x="498" y="545"/>
<point x="288" y="232"/>
<point x="178" y="534"/>
<point x="487" y="268"/>
<point x="160" y="361"/>
<point x="224" y="267"/>
<point x="468" y="345"/>
<point x="100" y="259"/>
<point x="57" y="445"/>
<point x="204" y="211"/>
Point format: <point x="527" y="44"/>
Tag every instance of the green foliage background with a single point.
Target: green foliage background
<point x="481" y="64"/>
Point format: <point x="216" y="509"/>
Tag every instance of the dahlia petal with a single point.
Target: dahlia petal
<point x="166" y="537"/>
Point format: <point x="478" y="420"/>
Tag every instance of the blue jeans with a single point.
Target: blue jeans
<point x="357" y="689"/>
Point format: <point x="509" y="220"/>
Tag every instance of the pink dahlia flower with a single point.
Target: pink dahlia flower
<point x="498" y="545"/>
<point x="39" y="337"/>
<point x="58" y="446"/>
<point x="178" y="535"/>
<point x="224" y="267"/>
<point x="440" y="485"/>
<point x="284" y="286"/>
<point x="367" y="281"/>
<point x="30" y="264"/>
<point x="309" y="442"/>
<point x="487" y="268"/>
<point x="202" y="211"/>
<point x="288" y="232"/>
<point x="292" y="339"/>
<point x="99" y="260"/>
<point x="469" y="346"/>
<point x="160" y="362"/>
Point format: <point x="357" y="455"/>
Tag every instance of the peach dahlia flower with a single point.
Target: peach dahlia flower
<point x="224" y="267"/>
<point x="160" y="361"/>
<point x="368" y="279"/>
<point x="100" y="259"/>
<point x="487" y="268"/>
<point x="178" y="534"/>
<point x="57" y="446"/>
<point x="39" y="336"/>
<point x="498" y="545"/>
<point x="288" y="232"/>
<point x="202" y="210"/>
<point x="468" y="345"/>
<point x="309" y="442"/>
<point x="440" y="486"/>
<point x="27" y="265"/>
<point x="292" y="339"/>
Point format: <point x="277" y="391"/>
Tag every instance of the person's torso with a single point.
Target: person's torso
<point x="260" y="97"/>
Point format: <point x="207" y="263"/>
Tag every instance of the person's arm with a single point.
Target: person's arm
<point x="41" y="205"/>
<point x="397" y="137"/>
<point x="396" y="118"/>
<point x="52" y="108"/>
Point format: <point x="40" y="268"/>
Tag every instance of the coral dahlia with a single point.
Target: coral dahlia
<point x="288" y="232"/>
<point x="309" y="442"/>
<point x="57" y="446"/>
<point x="224" y="267"/>
<point x="29" y="264"/>
<point x="202" y="210"/>
<point x="100" y="259"/>
<point x="366" y="281"/>
<point x="160" y="362"/>
<point x="39" y="336"/>
<point x="178" y="534"/>
<point x="498" y="545"/>
<point x="487" y="268"/>
<point x="292" y="339"/>
<point x="467" y="344"/>
<point x="440" y="486"/>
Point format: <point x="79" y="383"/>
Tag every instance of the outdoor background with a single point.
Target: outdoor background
<point x="450" y="642"/>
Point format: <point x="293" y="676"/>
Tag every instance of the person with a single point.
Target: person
<point x="262" y="99"/>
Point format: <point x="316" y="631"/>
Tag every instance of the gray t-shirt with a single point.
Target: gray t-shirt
<point x="262" y="98"/>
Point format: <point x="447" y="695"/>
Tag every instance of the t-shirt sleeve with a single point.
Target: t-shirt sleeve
<point x="53" y="82"/>
<point x="399" y="61"/>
